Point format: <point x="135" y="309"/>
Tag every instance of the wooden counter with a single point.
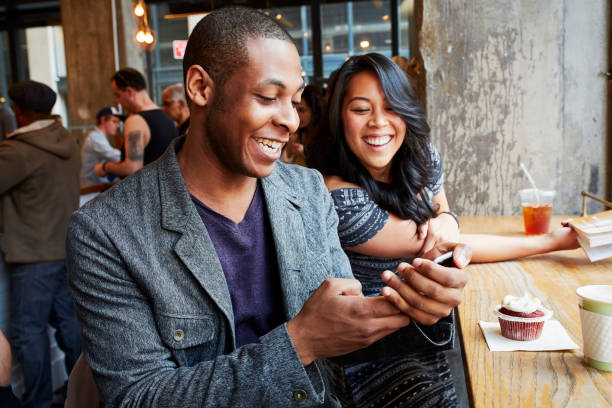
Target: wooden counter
<point x="530" y="379"/>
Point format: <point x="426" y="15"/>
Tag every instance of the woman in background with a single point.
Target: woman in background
<point x="386" y="179"/>
<point x="310" y="110"/>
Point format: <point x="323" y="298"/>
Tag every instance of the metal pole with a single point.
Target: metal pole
<point x="115" y="35"/>
<point x="349" y="24"/>
<point x="317" y="57"/>
<point x="394" y="28"/>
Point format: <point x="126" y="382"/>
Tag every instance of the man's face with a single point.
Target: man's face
<point x="110" y="124"/>
<point x="171" y="106"/>
<point x="258" y="109"/>
<point x="122" y="97"/>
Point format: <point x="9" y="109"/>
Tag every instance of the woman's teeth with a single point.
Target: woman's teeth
<point x="377" y="140"/>
<point x="268" y="145"/>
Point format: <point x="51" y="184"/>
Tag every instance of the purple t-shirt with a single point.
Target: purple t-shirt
<point x="248" y="258"/>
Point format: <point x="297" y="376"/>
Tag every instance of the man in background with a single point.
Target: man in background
<point x="39" y="190"/>
<point x="7" y="120"/>
<point x="174" y="105"/>
<point x="97" y="147"/>
<point x="148" y="130"/>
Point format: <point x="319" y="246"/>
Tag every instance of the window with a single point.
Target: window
<point x="346" y="28"/>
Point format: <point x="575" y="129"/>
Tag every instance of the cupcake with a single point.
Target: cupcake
<point x="522" y="318"/>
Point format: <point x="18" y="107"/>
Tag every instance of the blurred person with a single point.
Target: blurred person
<point x="410" y="67"/>
<point x="148" y="130"/>
<point x="7" y="398"/>
<point x="230" y="289"/>
<point x="58" y="117"/>
<point x="174" y="105"/>
<point x="309" y="111"/>
<point x="39" y="190"/>
<point x="7" y="120"/>
<point x="97" y="147"/>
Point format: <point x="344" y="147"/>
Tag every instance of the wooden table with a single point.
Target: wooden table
<point x="530" y="379"/>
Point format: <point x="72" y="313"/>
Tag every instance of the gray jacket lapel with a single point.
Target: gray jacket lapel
<point x="194" y="247"/>
<point x="289" y="239"/>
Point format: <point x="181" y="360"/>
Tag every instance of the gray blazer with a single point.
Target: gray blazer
<point x="155" y="311"/>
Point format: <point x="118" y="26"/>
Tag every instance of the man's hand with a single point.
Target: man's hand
<point x="428" y="291"/>
<point x="5" y="361"/>
<point x="337" y="320"/>
<point x="99" y="170"/>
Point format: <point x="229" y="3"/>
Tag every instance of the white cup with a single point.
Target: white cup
<point x="596" y="320"/>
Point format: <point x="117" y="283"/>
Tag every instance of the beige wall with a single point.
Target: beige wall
<point x="515" y="81"/>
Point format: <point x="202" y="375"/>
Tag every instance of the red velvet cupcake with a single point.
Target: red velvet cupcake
<point x="522" y="318"/>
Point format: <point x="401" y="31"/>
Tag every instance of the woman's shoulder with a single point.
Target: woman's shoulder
<point x="336" y="182"/>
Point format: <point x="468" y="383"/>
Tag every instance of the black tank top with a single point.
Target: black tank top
<point x="162" y="130"/>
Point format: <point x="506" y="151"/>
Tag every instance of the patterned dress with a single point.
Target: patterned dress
<point x="412" y="380"/>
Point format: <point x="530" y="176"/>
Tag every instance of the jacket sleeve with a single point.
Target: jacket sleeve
<point x="132" y="366"/>
<point x="13" y="166"/>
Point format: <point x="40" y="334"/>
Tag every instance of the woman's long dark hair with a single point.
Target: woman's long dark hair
<point x="413" y="168"/>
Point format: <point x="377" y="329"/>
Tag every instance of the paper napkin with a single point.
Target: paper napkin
<point x="554" y="337"/>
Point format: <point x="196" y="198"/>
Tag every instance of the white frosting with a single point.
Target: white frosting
<point x="523" y="304"/>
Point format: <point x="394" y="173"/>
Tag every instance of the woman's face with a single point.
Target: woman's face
<point x="373" y="131"/>
<point x="305" y="114"/>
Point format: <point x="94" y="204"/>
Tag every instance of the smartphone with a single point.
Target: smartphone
<point x="445" y="259"/>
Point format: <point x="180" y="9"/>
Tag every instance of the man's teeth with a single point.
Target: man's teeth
<point x="378" y="140"/>
<point x="269" y="145"/>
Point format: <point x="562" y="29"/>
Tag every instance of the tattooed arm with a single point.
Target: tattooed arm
<point x="137" y="136"/>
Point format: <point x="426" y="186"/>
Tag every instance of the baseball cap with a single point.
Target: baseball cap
<point x="110" y="110"/>
<point x="32" y="96"/>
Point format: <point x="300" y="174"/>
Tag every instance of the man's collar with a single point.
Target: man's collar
<point x="37" y="125"/>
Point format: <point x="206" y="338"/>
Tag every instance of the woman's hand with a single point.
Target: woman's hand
<point x="443" y="228"/>
<point x="564" y="238"/>
<point x="427" y="291"/>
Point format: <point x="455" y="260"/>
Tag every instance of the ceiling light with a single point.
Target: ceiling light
<point x="139" y="9"/>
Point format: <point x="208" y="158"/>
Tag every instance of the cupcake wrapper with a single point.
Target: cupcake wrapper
<point x="521" y="331"/>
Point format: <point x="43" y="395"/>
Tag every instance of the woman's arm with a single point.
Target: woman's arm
<point x="443" y="228"/>
<point x="397" y="239"/>
<point x="495" y="248"/>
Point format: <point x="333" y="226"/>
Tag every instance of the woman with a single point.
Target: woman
<point x="309" y="110"/>
<point x="386" y="180"/>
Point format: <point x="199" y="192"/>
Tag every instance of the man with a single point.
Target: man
<point x="148" y="130"/>
<point x="213" y="291"/>
<point x="39" y="190"/>
<point x="97" y="148"/>
<point x="174" y="105"/>
<point x="7" y="120"/>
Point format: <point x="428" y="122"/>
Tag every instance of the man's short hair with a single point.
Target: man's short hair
<point x="218" y="42"/>
<point x="32" y="96"/>
<point x="129" y="77"/>
<point x="177" y="92"/>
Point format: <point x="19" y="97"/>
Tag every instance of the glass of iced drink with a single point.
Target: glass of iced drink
<point x="537" y="209"/>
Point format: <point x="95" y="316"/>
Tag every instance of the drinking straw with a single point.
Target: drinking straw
<point x="533" y="184"/>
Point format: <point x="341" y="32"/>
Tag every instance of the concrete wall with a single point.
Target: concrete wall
<point x="515" y="81"/>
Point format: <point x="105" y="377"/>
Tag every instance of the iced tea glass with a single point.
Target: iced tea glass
<point x="537" y="209"/>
